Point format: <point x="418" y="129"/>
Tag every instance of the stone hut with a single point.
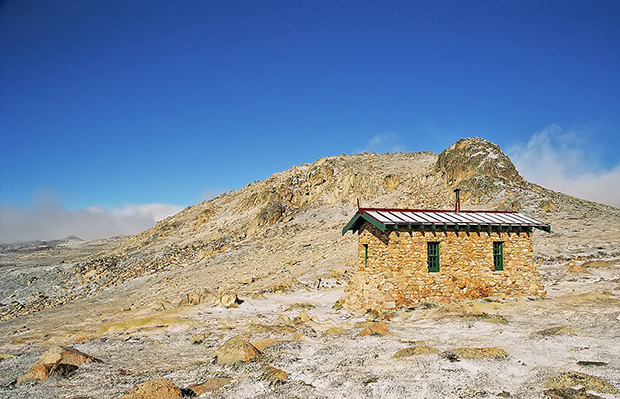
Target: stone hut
<point x="410" y="256"/>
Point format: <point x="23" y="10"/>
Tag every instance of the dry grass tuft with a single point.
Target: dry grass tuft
<point x="285" y="285"/>
<point x="476" y="353"/>
<point x="569" y="393"/>
<point x="335" y="331"/>
<point x="490" y="318"/>
<point x="555" y="331"/>
<point x="300" y="306"/>
<point x="141" y="324"/>
<point x="415" y="350"/>
<point x="255" y="328"/>
<point x="600" y="263"/>
<point x="573" y="378"/>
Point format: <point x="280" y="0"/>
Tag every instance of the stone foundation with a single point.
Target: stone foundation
<point x="395" y="273"/>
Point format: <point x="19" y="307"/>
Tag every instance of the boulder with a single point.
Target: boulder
<point x="288" y="330"/>
<point x="263" y="343"/>
<point x="236" y="350"/>
<point x="337" y="272"/>
<point x="154" y="389"/>
<point x="391" y="182"/>
<point x="285" y="285"/>
<point x="210" y="385"/>
<point x="374" y="328"/>
<point x="58" y="359"/>
<point x="196" y="298"/>
<point x="270" y="214"/>
<point x="198" y="338"/>
<point x="304" y="317"/>
<point x="283" y="320"/>
<point x="270" y="373"/>
<point x="230" y="300"/>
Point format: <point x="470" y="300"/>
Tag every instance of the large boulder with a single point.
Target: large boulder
<point x="60" y="360"/>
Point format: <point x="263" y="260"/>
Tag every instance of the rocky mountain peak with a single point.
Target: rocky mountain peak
<point x="477" y="166"/>
<point x="289" y="225"/>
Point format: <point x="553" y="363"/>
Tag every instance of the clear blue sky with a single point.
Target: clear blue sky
<point x="110" y="103"/>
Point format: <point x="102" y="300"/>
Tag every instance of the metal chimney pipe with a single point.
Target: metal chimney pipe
<point x="457" y="206"/>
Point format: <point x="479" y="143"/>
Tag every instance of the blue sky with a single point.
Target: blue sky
<point x="135" y="109"/>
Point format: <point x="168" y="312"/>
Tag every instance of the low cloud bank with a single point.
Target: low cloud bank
<point x="562" y="160"/>
<point x="48" y="220"/>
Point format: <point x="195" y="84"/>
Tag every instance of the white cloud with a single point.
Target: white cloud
<point x="563" y="160"/>
<point x="384" y="142"/>
<point x="48" y="220"/>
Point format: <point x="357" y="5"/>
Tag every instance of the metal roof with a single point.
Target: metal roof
<point x="382" y="218"/>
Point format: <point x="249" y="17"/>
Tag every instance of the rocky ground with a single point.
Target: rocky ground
<point x="150" y="306"/>
<point x="320" y="352"/>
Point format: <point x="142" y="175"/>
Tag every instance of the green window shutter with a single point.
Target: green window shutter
<point x="498" y="255"/>
<point x="433" y="256"/>
<point x="365" y="255"/>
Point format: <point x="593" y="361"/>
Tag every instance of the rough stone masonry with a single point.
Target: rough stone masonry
<point x="392" y="270"/>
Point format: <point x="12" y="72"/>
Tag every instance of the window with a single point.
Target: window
<point x="365" y="255"/>
<point x="498" y="255"/>
<point x="433" y="256"/>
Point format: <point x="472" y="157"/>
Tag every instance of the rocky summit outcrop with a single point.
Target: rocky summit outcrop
<point x="479" y="168"/>
<point x="284" y="231"/>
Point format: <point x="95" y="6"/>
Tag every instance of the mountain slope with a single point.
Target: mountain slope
<point x="285" y="230"/>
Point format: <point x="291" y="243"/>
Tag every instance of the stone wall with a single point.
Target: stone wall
<point x="395" y="273"/>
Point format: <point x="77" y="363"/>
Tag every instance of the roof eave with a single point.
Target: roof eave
<point x="363" y="216"/>
<point x="355" y="223"/>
